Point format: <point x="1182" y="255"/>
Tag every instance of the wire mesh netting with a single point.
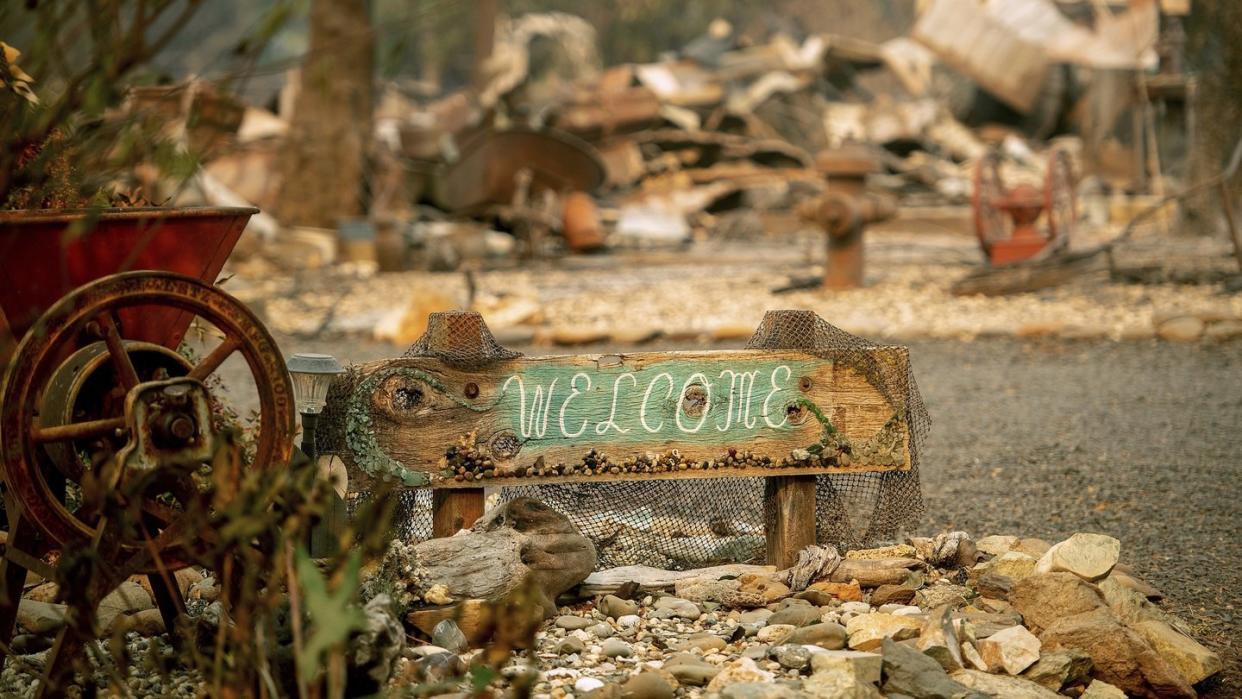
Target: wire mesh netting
<point x="691" y="524"/>
<point x="854" y="509"/>
<point x="461" y="340"/>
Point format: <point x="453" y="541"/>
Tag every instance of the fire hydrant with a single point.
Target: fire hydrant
<point x="845" y="210"/>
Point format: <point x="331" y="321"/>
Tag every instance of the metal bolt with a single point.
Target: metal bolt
<point x="177" y="394"/>
<point x="181" y="427"/>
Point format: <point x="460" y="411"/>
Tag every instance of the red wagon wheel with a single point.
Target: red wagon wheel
<point x="37" y="431"/>
<point x="1060" y="203"/>
<point x="991" y="223"/>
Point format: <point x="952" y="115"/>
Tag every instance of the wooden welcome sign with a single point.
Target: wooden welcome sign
<point x="781" y="414"/>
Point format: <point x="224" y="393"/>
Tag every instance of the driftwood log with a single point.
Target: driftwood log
<point x="876" y="572"/>
<point x="513" y="562"/>
<point x="815" y="563"/>
<point x="607" y="582"/>
<point x="520" y="541"/>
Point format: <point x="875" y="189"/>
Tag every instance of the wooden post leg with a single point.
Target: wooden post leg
<point x="66" y="651"/>
<point x="326" y="533"/>
<point x="13" y="580"/>
<point x="13" y="574"/>
<point x="169" y="601"/>
<point x="790" y="505"/>
<point x="453" y="509"/>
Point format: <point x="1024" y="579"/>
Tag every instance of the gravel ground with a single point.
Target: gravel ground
<point x="1137" y="440"/>
<point x="723" y="288"/>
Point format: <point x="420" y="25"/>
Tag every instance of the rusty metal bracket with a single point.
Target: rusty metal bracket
<point x="169" y="423"/>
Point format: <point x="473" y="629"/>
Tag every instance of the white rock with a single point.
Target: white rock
<point x="424" y="651"/>
<point x="868" y="631"/>
<point x="586" y="684"/>
<point x="774" y="633"/>
<point x="864" y="666"/>
<point x="995" y="545"/>
<point x="1182" y="329"/>
<point x="561" y="672"/>
<point x="684" y="609"/>
<point x="833" y="683"/>
<point x="1003" y="686"/>
<point x="971" y="655"/>
<point x="1102" y="690"/>
<point x="1011" y="650"/>
<point x="739" y="671"/>
<point x="939" y="639"/>
<point x="628" y="621"/>
<point x="1014" y="565"/>
<point x="1191" y="659"/>
<point x="1089" y="556"/>
<point x="856" y="607"/>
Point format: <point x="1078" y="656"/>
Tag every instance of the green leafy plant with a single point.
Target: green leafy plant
<point x="334" y="614"/>
<point x="85" y="56"/>
<point x="80" y="138"/>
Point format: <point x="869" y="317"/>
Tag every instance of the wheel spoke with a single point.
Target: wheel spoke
<point x="158" y="511"/>
<point x="77" y="430"/>
<point x="116" y="349"/>
<point x="171" y="526"/>
<point x="213" y="360"/>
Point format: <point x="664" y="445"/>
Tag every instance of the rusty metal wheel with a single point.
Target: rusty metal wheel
<point x="38" y="427"/>
<point x="1060" y="201"/>
<point x="991" y="222"/>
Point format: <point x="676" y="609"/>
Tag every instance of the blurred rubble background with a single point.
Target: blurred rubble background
<point x="659" y="173"/>
<point x="614" y="172"/>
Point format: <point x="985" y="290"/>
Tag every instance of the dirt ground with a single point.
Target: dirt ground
<point x="1137" y="440"/>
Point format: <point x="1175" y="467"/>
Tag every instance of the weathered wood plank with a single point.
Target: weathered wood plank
<point x="454" y="510"/>
<point x="790" y="501"/>
<point x="607" y="417"/>
<point x="687" y="475"/>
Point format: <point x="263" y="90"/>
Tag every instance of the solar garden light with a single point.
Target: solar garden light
<point x="312" y="374"/>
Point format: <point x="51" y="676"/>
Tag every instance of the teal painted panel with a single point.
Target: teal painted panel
<point x="676" y="400"/>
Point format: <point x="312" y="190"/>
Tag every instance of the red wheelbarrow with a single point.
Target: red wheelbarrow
<point x="95" y="306"/>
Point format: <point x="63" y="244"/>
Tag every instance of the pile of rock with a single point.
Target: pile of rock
<point x="1001" y="616"/>
<point x="943" y="617"/>
<point x="130" y="607"/>
<point x="127" y="613"/>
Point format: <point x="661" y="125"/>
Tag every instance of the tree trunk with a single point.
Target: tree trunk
<point x="484" y="40"/>
<point x="323" y="164"/>
<point x="1215" y="56"/>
